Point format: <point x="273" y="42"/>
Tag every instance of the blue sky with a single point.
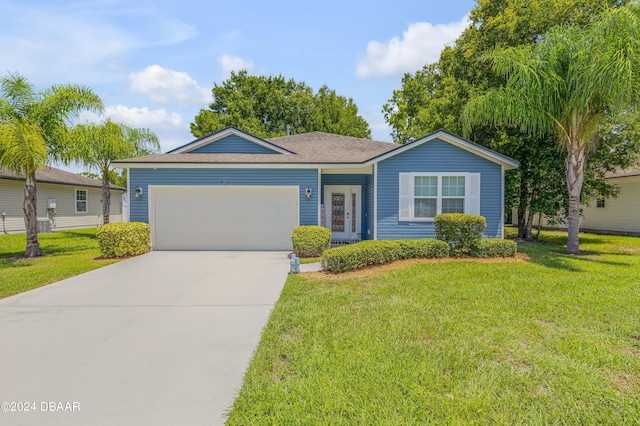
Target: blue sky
<point x="154" y="62"/>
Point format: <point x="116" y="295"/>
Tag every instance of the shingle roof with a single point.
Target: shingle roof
<point x="314" y="147"/>
<point x="53" y="175"/>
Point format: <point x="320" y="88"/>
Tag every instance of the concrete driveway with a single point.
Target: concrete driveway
<point x="160" y="339"/>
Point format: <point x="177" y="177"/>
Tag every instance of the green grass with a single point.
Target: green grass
<point x="310" y="260"/>
<point x="65" y="254"/>
<point x="553" y="340"/>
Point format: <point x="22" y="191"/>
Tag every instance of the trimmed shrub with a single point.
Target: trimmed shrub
<point x="310" y="241"/>
<point x="426" y="248"/>
<point x="124" y="239"/>
<point x="496" y="247"/>
<point x="463" y="232"/>
<point x="379" y="252"/>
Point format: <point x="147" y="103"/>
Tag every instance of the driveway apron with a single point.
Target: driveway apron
<point x="160" y="339"/>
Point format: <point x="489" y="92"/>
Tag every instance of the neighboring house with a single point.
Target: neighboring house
<point x="614" y="216"/>
<point x="619" y="215"/>
<point x="66" y="200"/>
<point x="234" y="191"/>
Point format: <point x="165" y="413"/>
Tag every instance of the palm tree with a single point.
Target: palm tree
<point x="33" y="130"/>
<point x="564" y="86"/>
<point x="97" y="145"/>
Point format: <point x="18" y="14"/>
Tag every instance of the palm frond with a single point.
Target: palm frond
<point x="22" y="146"/>
<point x="97" y="145"/>
<point x="18" y="94"/>
<point x="508" y="108"/>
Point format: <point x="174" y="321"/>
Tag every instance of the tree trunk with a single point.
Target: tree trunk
<point x="528" y="234"/>
<point x="575" y="178"/>
<point x="523" y="207"/>
<point x="539" y="226"/>
<point x="31" y="216"/>
<point x="106" y="196"/>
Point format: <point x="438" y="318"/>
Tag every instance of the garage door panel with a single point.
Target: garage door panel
<point x="223" y="218"/>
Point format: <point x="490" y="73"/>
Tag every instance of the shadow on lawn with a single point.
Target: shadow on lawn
<point x="550" y="252"/>
<point x="15" y="262"/>
<point x="81" y="233"/>
<point x="60" y="242"/>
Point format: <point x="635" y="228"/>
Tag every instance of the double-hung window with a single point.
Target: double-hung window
<point x="425" y="195"/>
<point x="453" y="194"/>
<point x="82" y="201"/>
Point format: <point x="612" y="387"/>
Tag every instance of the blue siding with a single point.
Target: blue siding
<point x="355" y="180"/>
<point x="436" y="156"/>
<point x="233" y="144"/>
<point x="368" y="232"/>
<point x="303" y="178"/>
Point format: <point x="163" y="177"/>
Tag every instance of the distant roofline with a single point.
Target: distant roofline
<point x="5" y="174"/>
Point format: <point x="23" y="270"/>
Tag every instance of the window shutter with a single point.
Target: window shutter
<point x="472" y="203"/>
<point x="406" y="197"/>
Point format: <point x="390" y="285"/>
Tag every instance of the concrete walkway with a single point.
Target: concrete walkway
<point x="161" y="339"/>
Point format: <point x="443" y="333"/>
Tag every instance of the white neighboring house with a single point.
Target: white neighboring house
<point x="65" y="200"/>
<point x="615" y="216"/>
<point x="619" y="215"/>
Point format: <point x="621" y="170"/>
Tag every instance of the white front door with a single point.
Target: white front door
<point x="343" y="210"/>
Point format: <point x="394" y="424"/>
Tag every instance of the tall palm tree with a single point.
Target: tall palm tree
<point x="33" y="130"/>
<point x="564" y="86"/>
<point x="97" y="145"/>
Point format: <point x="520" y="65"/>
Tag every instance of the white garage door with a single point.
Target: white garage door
<point x="222" y="217"/>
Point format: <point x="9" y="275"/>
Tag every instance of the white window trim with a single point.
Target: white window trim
<point x="407" y="197"/>
<point x="75" y="200"/>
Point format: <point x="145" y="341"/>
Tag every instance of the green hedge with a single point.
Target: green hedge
<point x="123" y="239"/>
<point x="379" y="252"/>
<point x="495" y="247"/>
<point x="463" y="232"/>
<point x="310" y="241"/>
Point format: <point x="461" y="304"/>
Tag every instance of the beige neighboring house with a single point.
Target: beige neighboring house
<point x="615" y="216"/>
<point x="619" y="215"/>
<point x="65" y="201"/>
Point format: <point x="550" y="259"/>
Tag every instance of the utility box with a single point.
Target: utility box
<point x="51" y="203"/>
<point x="44" y="226"/>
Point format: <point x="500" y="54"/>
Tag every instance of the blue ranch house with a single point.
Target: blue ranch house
<point x="234" y="191"/>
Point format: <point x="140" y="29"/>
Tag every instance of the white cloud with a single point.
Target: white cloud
<point x="168" y="126"/>
<point x="166" y="86"/>
<point x="421" y="44"/>
<point x="82" y="41"/>
<point x="380" y="130"/>
<point x="233" y="63"/>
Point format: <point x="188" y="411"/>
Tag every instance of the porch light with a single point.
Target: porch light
<point x="138" y="192"/>
<point x="308" y="191"/>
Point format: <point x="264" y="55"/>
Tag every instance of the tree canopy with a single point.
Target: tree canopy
<point x="34" y="129"/>
<point x="435" y="96"/>
<point x="564" y="86"/>
<point x="265" y="106"/>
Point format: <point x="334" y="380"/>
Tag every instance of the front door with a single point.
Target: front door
<point x="343" y="211"/>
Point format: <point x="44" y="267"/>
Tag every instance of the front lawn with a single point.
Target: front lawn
<point x="65" y="254"/>
<point x="552" y="339"/>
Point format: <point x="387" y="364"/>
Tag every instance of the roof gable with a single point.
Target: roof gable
<point x="507" y="162"/>
<point x="230" y="141"/>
